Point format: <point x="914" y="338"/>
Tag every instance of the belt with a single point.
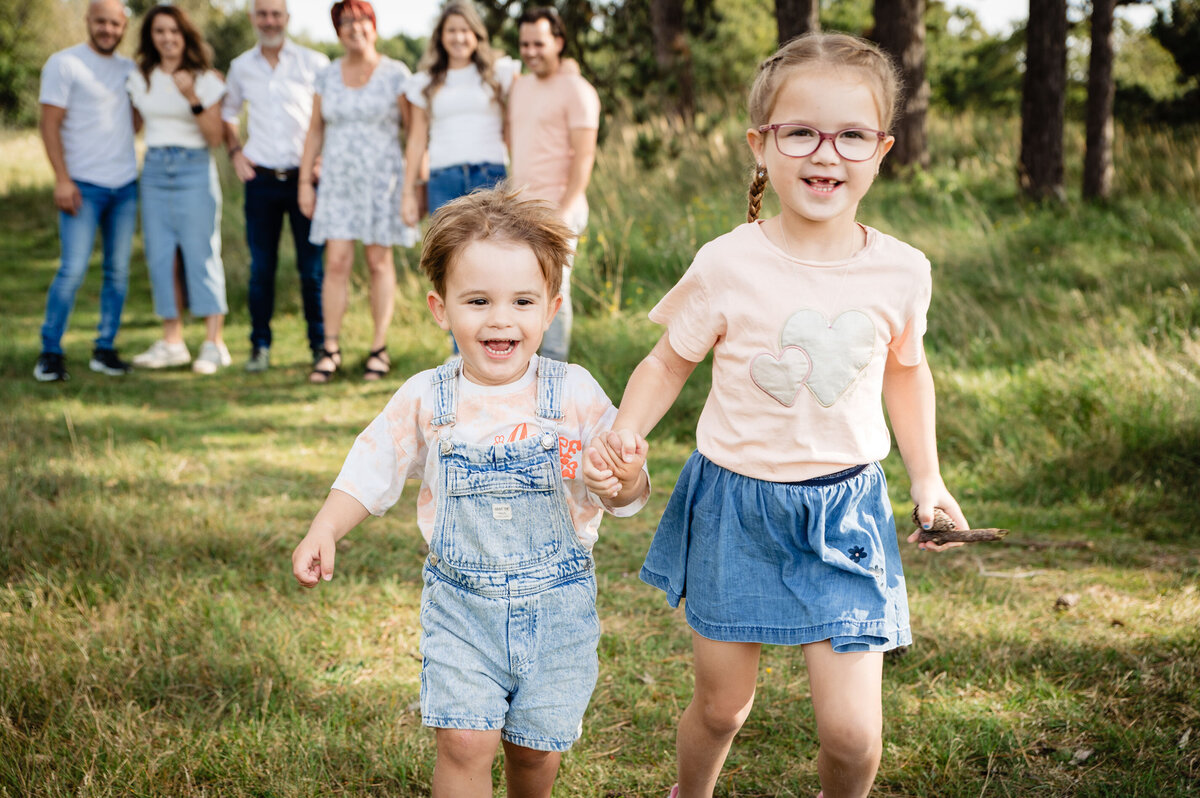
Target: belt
<point x="282" y="175"/>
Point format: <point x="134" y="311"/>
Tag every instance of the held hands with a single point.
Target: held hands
<point x="312" y="561"/>
<point x="306" y="198"/>
<point x="930" y="495"/>
<point x="612" y="465"/>
<point x="67" y="197"/>
<point x="410" y="208"/>
<point x="242" y="166"/>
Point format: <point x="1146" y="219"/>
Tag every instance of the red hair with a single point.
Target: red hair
<point x="358" y="8"/>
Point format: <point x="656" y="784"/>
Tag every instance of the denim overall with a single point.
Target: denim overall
<point x="508" y="611"/>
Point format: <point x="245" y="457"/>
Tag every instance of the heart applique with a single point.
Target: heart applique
<point x="837" y="352"/>
<point x="782" y="377"/>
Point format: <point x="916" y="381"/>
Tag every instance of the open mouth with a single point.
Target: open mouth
<point x="822" y="184"/>
<point x="496" y="347"/>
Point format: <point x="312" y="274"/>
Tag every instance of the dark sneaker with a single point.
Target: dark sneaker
<point x="51" y="367"/>
<point x="106" y="361"/>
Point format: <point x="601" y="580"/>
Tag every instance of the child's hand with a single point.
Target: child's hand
<point x="928" y="497"/>
<point x="613" y="463"/>
<point x="312" y="561"/>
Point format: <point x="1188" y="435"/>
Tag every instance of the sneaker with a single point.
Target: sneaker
<point x="260" y="359"/>
<point x="106" y="361"/>
<point x="163" y="355"/>
<point x="212" y="356"/>
<point x="51" y="367"/>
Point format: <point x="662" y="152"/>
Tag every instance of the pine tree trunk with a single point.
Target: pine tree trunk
<point x="794" y="17"/>
<point x="1098" y="161"/>
<point x="900" y="31"/>
<point x="1043" y="101"/>
<point x="673" y="56"/>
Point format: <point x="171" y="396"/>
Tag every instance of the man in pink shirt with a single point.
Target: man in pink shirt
<point x="552" y="125"/>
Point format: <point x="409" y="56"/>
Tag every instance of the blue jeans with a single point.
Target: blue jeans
<point x="181" y="210"/>
<point x="556" y="343"/>
<point x="452" y="182"/>
<point x="268" y="200"/>
<point x="114" y="211"/>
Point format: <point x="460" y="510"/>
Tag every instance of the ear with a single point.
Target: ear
<point x="888" y="143"/>
<point x="552" y="310"/>
<point x="756" y="140"/>
<point x="437" y="306"/>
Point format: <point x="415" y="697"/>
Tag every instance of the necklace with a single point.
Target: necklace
<point x="787" y="248"/>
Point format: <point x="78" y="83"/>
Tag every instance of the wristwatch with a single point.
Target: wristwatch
<point x="198" y="109"/>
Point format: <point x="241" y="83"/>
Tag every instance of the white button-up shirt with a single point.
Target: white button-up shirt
<point x="280" y="100"/>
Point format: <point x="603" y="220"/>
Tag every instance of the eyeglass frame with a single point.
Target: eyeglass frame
<point x="822" y="136"/>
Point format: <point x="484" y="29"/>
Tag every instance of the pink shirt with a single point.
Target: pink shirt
<point x="798" y="349"/>
<point x="401" y="443"/>
<point x="542" y="112"/>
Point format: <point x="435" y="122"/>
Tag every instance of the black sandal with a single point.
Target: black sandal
<point x="321" y="376"/>
<point x="380" y="355"/>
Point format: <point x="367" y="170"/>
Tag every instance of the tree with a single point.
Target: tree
<point x="673" y="56"/>
<point x="1043" y="101"/>
<point x="794" y="17"/>
<point x="900" y="31"/>
<point x="1097" y="160"/>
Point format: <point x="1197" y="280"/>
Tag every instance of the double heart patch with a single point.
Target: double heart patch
<point x="826" y="358"/>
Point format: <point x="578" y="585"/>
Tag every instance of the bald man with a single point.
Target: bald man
<point x="276" y="78"/>
<point x="87" y="127"/>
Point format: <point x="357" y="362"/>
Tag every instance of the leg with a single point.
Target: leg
<point x="173" y="327"/>
<point x="339" y="259"/>
<point x="383" y="303"/>
<point x="117" y="225"/>
<point x="199" y="209"/>
<point x="463" y="768"/>
<point x="556" y="343"/>
<point x="264" y="223"/>
<point x="76" y="235"/>
<point x="847" y="699"/>
<point x="310" y="262"/>
<point x="529" y="773"/>
<point x="725" y="677"/>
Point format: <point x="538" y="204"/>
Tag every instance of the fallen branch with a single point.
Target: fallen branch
<point x="960" y="535"/>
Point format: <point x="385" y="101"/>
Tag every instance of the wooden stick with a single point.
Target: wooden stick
<point x="940" y="536"/>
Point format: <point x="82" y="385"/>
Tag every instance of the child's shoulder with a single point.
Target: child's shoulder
<point x="886" y="245"/>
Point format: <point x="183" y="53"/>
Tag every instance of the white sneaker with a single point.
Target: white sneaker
<point x="163" y="355"/>
<point x="212" y="356"/>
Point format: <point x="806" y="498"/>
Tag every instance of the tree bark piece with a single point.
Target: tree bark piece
<point x="943" y="530"/>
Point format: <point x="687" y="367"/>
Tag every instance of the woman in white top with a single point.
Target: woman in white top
<point x="176" y="95"/>
<point x="457" y="111"/>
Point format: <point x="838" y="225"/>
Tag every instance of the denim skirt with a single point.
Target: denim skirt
<point x="783" y="562"/>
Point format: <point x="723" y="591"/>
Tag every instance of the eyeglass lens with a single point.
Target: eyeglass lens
<point x="797" y="141"/>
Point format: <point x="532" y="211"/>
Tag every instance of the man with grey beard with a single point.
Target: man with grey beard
<point x="276" y="78"/>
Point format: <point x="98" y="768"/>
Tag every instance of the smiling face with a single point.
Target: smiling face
<point x="167" y="38"/>
<point x="822" y="188"/>
<point x="356" y="33"/>
<point x="458" y="40"/>
<point x="540" y="48"/>
<point x="106" y="25"/>
<point x="497" y="306"/>
<point x="270" y="22"/>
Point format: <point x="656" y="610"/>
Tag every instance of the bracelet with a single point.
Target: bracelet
<point x="198" y="109"/>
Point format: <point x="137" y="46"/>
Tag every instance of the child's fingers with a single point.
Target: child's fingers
<point x="624" y="443"/>
<point x="305" y="566"/>
<point x="328" y="548"/>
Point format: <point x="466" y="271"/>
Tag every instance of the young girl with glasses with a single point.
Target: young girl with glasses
<point x="779" y="529"/>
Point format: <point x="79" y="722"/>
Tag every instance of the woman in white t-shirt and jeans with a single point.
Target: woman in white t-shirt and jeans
<point x="176" y="94"/>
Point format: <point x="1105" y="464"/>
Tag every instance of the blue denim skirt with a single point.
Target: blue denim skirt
<point x="783" y="562"/>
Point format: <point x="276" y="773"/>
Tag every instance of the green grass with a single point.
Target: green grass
<point x="153" y="642"/>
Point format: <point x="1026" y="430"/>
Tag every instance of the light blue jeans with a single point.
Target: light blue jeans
<point x="114" y="211"/>
<point x="181" y="210"/>
<point x="556" y="343"/>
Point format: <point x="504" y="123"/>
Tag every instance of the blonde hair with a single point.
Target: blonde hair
<point x="835" y="50"/>
<point x="497" y="214"/>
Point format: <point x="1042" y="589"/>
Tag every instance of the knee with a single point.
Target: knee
<point x="338" y="266"/>
<point x="465" y="747"/>
<point x="527" y="758"/>
<point x="852" y="744"/>
<point x="722" y="717"/>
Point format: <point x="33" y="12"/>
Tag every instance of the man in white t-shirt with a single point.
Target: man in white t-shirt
<point x="277" y="79"/>
<point x="553" y="120"/>
<point x="87" y="128"/>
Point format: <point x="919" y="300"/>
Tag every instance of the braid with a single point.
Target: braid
<point x="757" y="187"/>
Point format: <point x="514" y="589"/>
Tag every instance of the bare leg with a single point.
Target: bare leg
<point x="464" y="763"/>
<point x="726" y="674"/>
<point x="214" y="325"/>
<point x="339" y="260"/>
<point x="383" y="291"/>
<point x="529" y="773"/>
<point x="847" y="692"/>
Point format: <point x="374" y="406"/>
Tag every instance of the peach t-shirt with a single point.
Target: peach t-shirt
<point x="542" y="112"/>
<point x="401" y="443"/>
<point x="798" y="349"/>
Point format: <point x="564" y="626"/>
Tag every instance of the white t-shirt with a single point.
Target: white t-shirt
<point x="97" y="131"/>
<point x="401" y="443"/>
<point x="168" y="118"/>
<point x="466" y="124"/>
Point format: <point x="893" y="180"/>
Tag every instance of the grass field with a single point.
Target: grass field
<point x="153" y="641"/>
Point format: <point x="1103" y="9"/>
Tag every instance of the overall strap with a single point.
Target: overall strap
<point x="551" y="382"/>
<point x="445" y="392"/>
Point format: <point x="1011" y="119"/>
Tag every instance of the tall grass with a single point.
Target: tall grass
<point x="152" y="641"/>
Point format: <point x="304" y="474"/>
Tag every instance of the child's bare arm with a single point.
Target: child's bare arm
<point x="653" y="387"/>
<point x="312" y="561"/>
<point x="909" y="395"/>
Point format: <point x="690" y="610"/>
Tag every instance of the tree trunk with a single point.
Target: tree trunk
<point x="1043" y="100"/>
<point x="673" y="56"/>
<point x="900" y="31"/>
<point x="1098" y="161"/>
<point x="794" y="17"/>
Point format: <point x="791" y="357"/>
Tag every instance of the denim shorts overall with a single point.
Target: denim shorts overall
<point x="508" y="610"/>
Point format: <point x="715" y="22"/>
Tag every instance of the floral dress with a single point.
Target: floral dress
<point x="362" y="165"/>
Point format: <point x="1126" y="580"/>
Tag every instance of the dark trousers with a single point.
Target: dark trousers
<point x="268" y="199"/>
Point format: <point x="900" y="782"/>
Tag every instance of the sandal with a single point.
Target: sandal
<point x="321" y="376"/>
<point x="380" y="356"/>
